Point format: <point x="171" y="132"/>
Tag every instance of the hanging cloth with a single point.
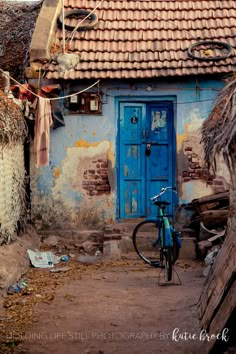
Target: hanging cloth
<point x="52" y="91"/>
<point x="43" y="122"/>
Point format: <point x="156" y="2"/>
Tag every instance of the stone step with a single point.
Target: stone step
<point x="188" y="249"/>
<point x="128" y="226"/>
<point x="112" y="250"/>
<point x="112" y="229"/>
<point x="73" y="237"/>
<point x="112" y="237"/>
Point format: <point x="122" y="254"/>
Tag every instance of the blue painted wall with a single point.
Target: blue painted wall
<point x="87" y="146"/>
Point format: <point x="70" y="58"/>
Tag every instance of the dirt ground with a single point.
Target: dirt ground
<point x="112" y="307"/>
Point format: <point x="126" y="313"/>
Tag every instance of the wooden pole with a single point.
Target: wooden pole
<point x="63" y="27"/>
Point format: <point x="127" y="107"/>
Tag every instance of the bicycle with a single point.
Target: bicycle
<point x="157" y="235"/>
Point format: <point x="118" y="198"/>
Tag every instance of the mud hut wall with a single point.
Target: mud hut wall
<point x="81" y="184"/>
<point x="12" y="179"/>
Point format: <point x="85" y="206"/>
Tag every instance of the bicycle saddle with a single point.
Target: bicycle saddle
<point x="161" y="203"/>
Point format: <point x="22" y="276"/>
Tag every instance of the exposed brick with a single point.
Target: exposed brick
<point x="101" y="182"/>
<point x="186" y="179"/>
<point x="185" y="174"/>
<point x="194" y="165"/>
<point x="103" y="188"/>
<point x="98" y="165"/>
<point x="211" y="177"/>
<point x="195" y="175"/>
<point x="90" y="188"/>
<point x="92" y="172"/>
<point x="188" y="148"/>
<point x="219" y="189"/>
<point x="102" y="192"/>
<point x="102" y="171"/>
<point x="104" y="165"/>
<point x="85" y="183"/>
<point x="195" y="159"/>
<point x="91" y="177"/>
<point x="218" y="183"/>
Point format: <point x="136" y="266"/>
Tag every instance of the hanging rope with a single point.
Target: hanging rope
<point x="50" y="99"/>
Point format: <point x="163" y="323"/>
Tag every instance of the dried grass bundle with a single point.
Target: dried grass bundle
<point x="12" y="124"/>
<point x="219" y="130"/>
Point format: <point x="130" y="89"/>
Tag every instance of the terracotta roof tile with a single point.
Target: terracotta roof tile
<point x="143" y="39"/>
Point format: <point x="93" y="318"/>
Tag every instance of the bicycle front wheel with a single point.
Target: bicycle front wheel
<point x="145" y="241"/>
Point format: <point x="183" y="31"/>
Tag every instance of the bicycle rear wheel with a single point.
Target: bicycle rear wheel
<point x="167" y="262"/>
<point x="175" y="250"/>
<point x="145" y="241"/>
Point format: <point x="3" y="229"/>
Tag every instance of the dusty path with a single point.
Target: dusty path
<point x="117" y="308"/>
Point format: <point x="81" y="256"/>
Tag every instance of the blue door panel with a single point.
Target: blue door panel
<point x="147" y="154"/>
<point x="158" y="162"/>
<point x="133" y="198"/>
<point x="131" y="163"/>
<point x="131" y="122"/>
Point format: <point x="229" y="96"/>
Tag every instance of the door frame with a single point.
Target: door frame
<point x="144" y="100"/>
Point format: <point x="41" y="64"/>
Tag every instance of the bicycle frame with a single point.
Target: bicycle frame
<point x="165" y="234"/>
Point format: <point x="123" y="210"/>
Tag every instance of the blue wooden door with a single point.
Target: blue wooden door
<point x="147" y="156"/>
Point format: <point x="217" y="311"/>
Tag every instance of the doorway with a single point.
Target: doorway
<point x="147" y="155"/>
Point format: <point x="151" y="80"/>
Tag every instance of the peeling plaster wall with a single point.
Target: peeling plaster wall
<point x="194" y="179"/>
<point x="80" y="186"/>
<point x="78" y="150"/>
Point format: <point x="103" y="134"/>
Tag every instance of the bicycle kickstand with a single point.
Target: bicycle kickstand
<point x="171" y="282"/>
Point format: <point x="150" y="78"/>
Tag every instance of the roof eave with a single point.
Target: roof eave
<point x="45" y="29"/>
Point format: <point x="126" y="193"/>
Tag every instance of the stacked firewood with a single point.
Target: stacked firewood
<point x="209" y="221"/>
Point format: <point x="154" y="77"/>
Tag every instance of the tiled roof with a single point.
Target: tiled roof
<point x="144" y="38"/>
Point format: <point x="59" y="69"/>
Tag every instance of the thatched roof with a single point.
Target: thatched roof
<point x="12" y="123"/>
<point x="219" y="130"/>
<point x="17" y="22"/>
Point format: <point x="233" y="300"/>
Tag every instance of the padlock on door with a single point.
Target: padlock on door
<point x="148" y="149"/>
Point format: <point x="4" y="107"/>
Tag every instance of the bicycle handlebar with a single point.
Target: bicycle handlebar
<point x="163" y="190"/>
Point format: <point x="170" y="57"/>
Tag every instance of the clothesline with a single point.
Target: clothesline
<point x="50" y="99"/>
